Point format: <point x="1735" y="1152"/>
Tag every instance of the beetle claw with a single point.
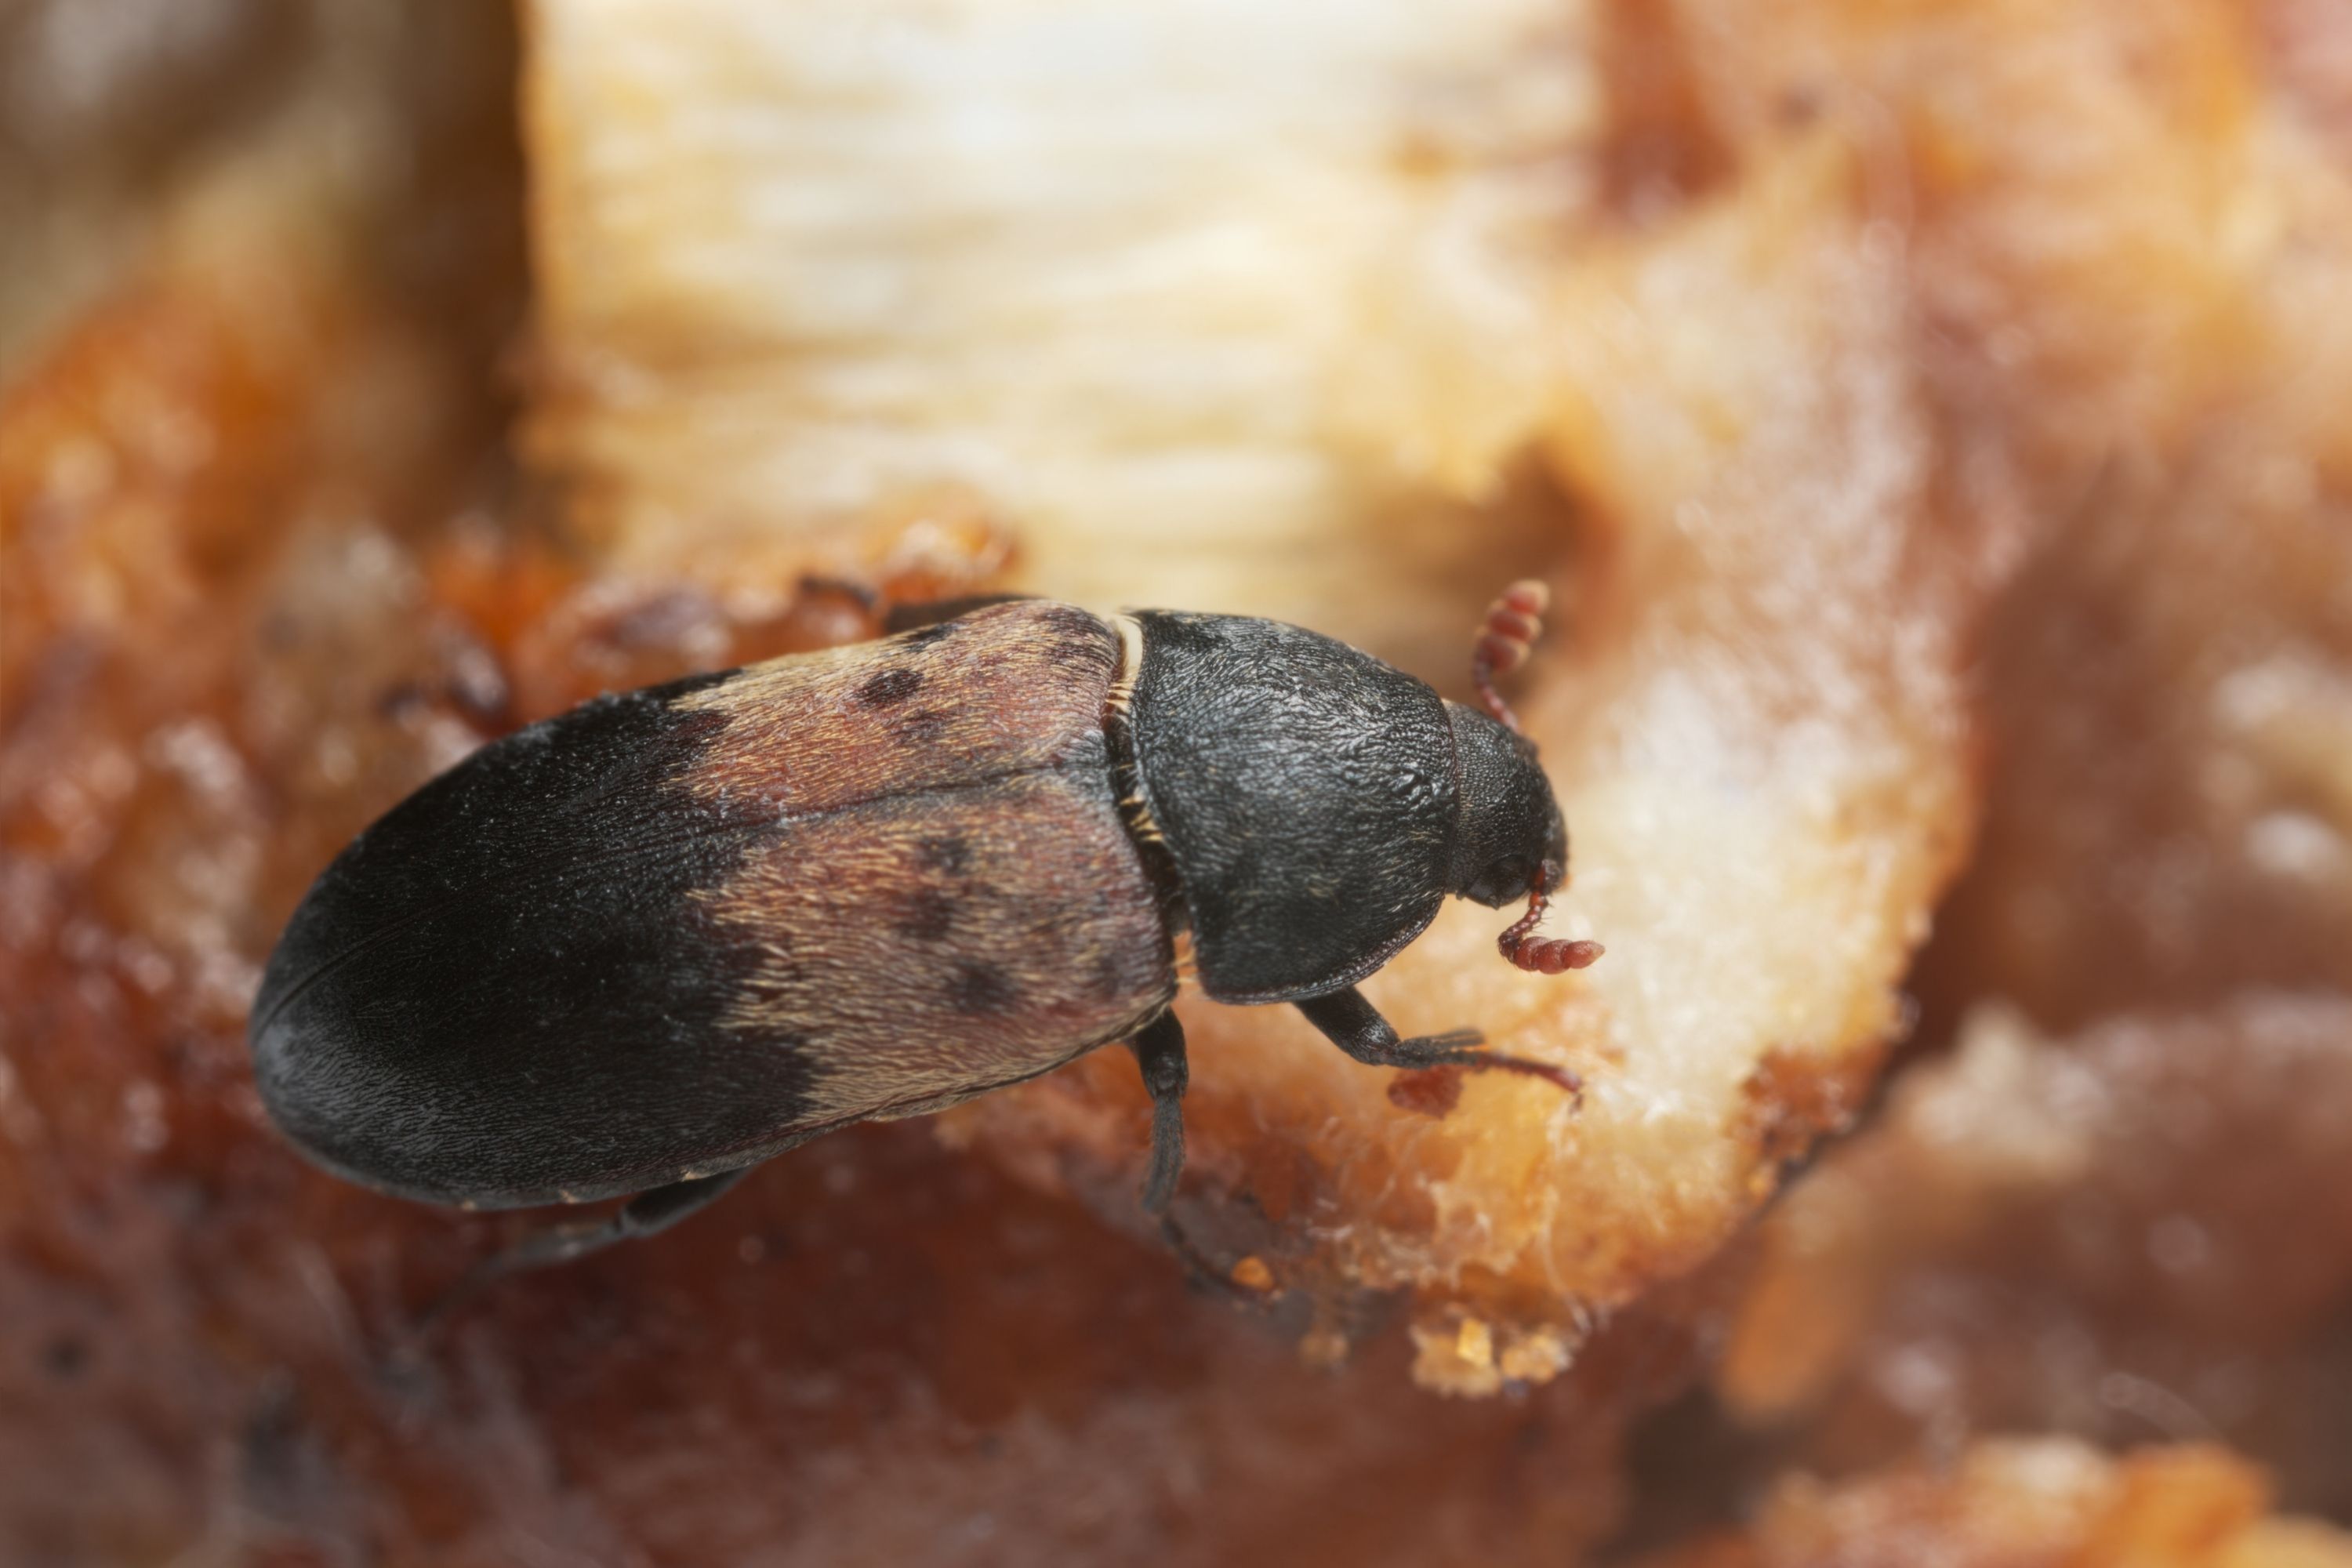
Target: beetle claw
<point x="1567" y="1081"/>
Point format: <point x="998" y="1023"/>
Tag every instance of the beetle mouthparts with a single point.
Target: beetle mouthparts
<point x="1543" y="955"/>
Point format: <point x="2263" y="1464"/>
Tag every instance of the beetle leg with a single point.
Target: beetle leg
<point x="1211" y="1280"/>
<point x="1160" y="1051"/>
<point x="1356" y="1026"/>
<point x="647" y="1213"/>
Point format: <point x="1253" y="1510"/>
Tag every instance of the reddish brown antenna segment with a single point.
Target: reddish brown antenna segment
<point x="1543" y="955"/>
<point x="1513" y="622"/>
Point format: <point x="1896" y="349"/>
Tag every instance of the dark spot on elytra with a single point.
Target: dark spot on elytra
<point x="1110" y="976"/>
<point x="981" y="988"/>
<point x="950" y="854"/>
<point x="923" y="724"/>
<point x="928" y="635"/>
<point x="890" y="685"/>
<point x="929" y="913"/>
<point x="1078" y="642"/>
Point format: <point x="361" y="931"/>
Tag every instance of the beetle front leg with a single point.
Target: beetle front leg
<point x="1356" y="1026"/>
<point x="1160" y="1051"/>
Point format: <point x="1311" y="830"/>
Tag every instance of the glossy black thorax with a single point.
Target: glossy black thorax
<point x="1307" y="794"/>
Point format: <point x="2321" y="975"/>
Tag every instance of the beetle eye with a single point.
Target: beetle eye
<point x="1502" y="880"/>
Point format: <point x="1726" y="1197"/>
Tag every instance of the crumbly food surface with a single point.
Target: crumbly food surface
<point x="1929" y="419"/>
<point x="1754" y="718"/>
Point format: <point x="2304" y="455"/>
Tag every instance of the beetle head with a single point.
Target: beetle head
<point x="1512" y="840"/>
<point x="1510" y="826"/>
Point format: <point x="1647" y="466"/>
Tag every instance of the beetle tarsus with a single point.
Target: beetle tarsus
<point x="1559" y="1078"/>
<point x="1160" y="1052"/>
<point x="1356" y="1026"/>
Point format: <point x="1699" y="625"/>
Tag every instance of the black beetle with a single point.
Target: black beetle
<point x="644" y="945"/>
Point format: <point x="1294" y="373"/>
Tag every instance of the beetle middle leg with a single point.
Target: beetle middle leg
<point x="1160" y="1051"/>
<point x="1356" y="1026"/>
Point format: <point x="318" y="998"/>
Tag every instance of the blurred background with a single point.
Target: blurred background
<point x="1930" y="417"/>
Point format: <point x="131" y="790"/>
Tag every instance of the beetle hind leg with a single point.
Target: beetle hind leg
<point x="1160" y="1051"/>
<point x="1356" y="1026"/>
<point x="648" y="1214"/>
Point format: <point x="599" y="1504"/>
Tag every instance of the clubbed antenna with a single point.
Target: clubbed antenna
<point x="1513" y="623"/>
<point x="1543" y="955"/>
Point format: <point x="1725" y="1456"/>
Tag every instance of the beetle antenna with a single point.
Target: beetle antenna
<point x="1543" y="955"/>
<point x="1513" y="622"/>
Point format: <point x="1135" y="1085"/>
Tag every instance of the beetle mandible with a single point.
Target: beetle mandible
<point x="642" y="946"/>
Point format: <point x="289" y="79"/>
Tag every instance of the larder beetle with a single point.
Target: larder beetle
<point x="646" y="945"/>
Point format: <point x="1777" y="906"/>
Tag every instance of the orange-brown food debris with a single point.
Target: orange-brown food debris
<point x="2145" y="1231"/>
<point x="1929" y="422"/>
